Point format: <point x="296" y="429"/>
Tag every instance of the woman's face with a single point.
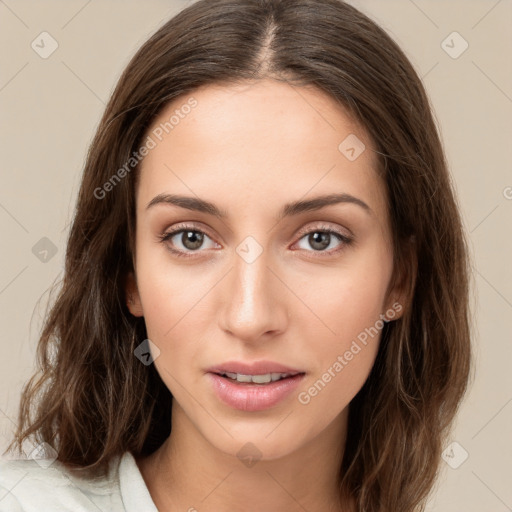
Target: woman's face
<point x="264" y="271"/>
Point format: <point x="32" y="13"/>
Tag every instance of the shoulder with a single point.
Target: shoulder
<point x="28" y="485"/>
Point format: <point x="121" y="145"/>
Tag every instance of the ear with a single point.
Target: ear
<point x="133" y="301"/>
<point x="401" y="288"/>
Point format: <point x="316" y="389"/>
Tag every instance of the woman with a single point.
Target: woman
<point x="265" y="301"/>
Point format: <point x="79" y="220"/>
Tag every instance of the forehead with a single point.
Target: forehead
<point x="256" y="141"/>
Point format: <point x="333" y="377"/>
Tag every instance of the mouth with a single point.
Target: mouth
<point x="260" y="371"/>
<point x="254" y="387"/>
<point x="260" y="379"/>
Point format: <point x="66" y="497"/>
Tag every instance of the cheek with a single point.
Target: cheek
<point x="343" y="355"/>
<point x="176" y="313"/>
<point x="169" y="293"/>
<point x="343" y="301"/>
<point x="343" y="338"/>
<point x="324" y="396"/>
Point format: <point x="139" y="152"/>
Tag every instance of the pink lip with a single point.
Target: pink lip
<point x="257" y="368"/>
<point x="253" y="397"/>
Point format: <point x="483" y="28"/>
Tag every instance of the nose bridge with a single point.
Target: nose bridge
<point x="253" y="305"/>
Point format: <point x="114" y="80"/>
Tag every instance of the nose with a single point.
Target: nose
<point x="254" y="308"/>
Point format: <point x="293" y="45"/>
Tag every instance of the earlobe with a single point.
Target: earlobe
<point x="133" y="301"/>
<point x="401" y="294"/>
<point x="399" y="298"/>
<point x="394" y="311"/>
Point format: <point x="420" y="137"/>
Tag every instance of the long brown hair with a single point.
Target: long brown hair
<point x="93" y="400"/>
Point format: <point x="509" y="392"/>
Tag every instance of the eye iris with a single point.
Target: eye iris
<point x="319" y="240"/>
<point x="192" y="239"/>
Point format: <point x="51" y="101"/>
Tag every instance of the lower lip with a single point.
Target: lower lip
<point x="253" y="397"/>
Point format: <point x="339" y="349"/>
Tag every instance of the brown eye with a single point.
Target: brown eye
<point x="192" y="239"/>
<point x="319" y="240"/>
<point x="322" y="239"/>
<point x="184" y="240"/>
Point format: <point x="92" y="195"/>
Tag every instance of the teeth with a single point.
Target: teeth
<point x="257" y="379"/>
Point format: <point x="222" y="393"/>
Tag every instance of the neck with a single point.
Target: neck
<point x="188" y="473"/>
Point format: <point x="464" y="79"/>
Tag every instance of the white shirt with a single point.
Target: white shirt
<point x="27" y="486"/>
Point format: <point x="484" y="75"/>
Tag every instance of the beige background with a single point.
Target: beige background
<point x="49" y="111"/>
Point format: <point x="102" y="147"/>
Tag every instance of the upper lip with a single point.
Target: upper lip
<point x="255" y="368"/>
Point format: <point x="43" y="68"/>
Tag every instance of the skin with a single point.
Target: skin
<point x="250" y="149"/>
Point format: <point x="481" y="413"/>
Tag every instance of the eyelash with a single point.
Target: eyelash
<point x="164" y="237"/>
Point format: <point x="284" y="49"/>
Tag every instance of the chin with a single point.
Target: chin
<point x="268" y="440"/>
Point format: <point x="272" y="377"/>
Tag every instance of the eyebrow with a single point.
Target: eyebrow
<point x="289" y="209"/>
